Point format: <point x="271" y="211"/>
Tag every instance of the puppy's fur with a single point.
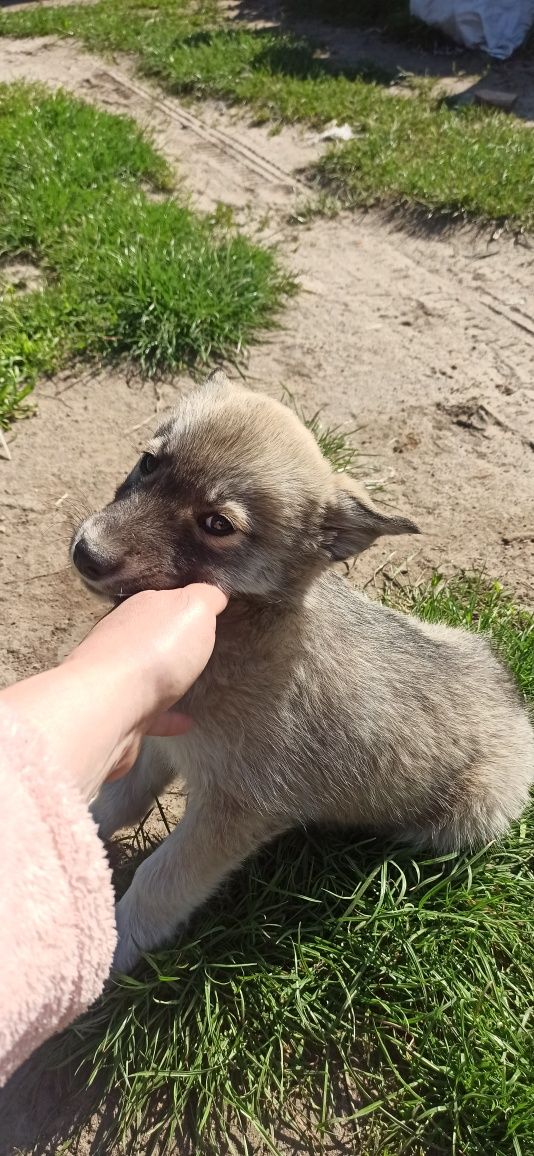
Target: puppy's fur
<point x="317" y="704"/>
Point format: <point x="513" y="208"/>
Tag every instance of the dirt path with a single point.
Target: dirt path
<point x="425" y="344"/>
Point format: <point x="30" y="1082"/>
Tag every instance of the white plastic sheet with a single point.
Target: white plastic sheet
<point x="498" y="27"/>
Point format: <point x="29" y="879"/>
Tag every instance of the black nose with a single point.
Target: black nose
<point x="90" y="564"/>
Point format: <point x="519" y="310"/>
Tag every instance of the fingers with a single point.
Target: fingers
<point x="126" y="761"/>
<point x="165" y="636"/>
<point x="177" y="652"/>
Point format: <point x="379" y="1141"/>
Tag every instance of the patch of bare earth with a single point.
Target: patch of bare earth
<point x="422" y="343"/>
<point x="19" y="276"/>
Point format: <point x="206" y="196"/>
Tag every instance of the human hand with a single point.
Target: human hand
<point x="158" y="642"/>
<point x="116" y="686"/>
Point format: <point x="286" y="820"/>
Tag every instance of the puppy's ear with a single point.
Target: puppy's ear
<point x="352" y="523"/>
<point x="218" y="378"/>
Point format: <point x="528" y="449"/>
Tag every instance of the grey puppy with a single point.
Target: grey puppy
<point x="317" y="705"/>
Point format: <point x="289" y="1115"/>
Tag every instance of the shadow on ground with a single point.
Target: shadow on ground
<point x="382" y="34"/>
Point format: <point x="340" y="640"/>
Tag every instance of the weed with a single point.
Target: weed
<point x="334" y="442"/>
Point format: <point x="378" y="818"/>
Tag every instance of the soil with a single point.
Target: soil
<point x="422" y="341"/>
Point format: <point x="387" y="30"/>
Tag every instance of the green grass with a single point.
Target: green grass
<point x="333" y="440"/>
<point x="333" y="978"/>
<point x="150" y="29"/>
<point x="21" y="360"/>
<point x="124" y="275"/>
<point x="447" y="163"/>
<point x="416" y="152"/>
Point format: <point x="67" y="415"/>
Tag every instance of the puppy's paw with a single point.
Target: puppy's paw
<point x="137" y="932"/>
<point x="129" y="947"/>
<point x="126" y="955"/>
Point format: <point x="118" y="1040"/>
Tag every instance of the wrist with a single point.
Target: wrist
<point x="85" y="712"/>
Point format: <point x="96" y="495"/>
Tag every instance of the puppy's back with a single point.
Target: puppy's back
<point x="424" y="729"/>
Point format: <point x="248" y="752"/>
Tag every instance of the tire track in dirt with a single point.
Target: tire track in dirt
<point x="238" y="151"/>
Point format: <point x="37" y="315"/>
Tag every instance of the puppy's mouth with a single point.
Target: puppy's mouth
<point x="114" y="578"/>
<point x="119" y="587"/>
<point x="120" y="591"/>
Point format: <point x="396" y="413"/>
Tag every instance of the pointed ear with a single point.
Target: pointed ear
<point x="351" y="522"/>
<point x="218" y="377"/>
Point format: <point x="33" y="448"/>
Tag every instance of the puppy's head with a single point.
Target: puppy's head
<point x="233" y="490"/>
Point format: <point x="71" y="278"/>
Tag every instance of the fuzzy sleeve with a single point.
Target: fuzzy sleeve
<point x="57" y="928"/>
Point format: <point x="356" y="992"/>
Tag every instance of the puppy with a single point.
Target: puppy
<point x="317" y="705"/>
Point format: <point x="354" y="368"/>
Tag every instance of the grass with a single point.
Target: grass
<point x="466" y="167"/>
<point x="124" y="275"/>
<point x="334" y="441"/>
<point x="386" y="999"/>
<point x="20" y="363"/>
<point x="417" y="152"/>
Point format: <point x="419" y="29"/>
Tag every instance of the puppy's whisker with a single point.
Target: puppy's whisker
<point x="74" y="510"/>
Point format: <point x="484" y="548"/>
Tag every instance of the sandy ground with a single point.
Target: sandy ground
<point x="422" y="342"/>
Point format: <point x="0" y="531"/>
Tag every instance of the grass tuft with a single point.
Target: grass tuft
<point x="385" y="998"/>
<point x="123" y="276"/>
<point x="19" y="366"/>
<point x="458" y="164"/>
<point x="334" y="442"/>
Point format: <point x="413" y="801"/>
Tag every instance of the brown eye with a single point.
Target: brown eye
<point x="148" y="464"/>
<point x="216" y="524"/>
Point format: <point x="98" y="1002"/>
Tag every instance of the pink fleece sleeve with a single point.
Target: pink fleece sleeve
<point x="57" y="927"/>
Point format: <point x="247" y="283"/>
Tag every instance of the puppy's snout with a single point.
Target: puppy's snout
<point x="90" y="563"/>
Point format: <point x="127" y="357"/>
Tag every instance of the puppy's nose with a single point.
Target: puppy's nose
<point x="90" y="564"/>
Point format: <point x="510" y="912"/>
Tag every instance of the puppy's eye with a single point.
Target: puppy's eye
<point x="148" y="464"/>
<point x="216" y="524"/>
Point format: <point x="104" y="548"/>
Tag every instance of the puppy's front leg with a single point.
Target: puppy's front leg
<point x="125" y="801"/>
<point x="212" y="839"/>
